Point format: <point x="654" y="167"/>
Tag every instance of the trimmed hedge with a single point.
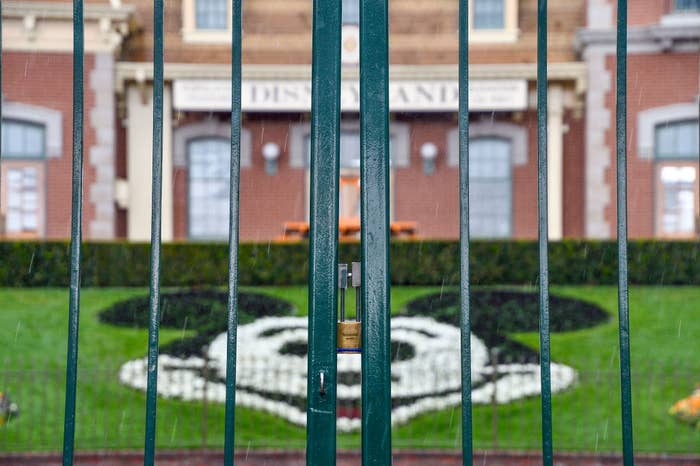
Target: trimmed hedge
<point x="412" y="263"/>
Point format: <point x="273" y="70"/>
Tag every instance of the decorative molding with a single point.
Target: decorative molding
<point x="143" y="71"/>
<point x="64" y="11"/>
<point x="647" y="120"/>
<point x="48" y="26"/>
<point x="400" y="147"/>
<point x="51" y="119"/>
<point x="208" y="128"/>
<point x="655" y="38"/>
<point x="516" y="134"/>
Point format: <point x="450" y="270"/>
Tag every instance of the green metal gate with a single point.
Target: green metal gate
<point x="323" y="277"/>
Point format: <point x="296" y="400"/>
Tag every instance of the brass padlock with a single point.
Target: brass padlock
<point x="349" y="338"/>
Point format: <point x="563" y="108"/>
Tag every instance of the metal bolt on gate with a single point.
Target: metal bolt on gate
<point x="324" y="329"/>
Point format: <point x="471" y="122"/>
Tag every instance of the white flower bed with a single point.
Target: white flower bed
<point x="429" y="381"/>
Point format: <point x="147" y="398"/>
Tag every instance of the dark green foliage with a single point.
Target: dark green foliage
<point x="496" y="313"/>
<point x="412" y="263"/>
<point x="203" y="311"/>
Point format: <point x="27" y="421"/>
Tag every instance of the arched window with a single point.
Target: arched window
<point x="209" y="169"/>
<point x="23" y="203"/>
<point x="490" y="186"/>
<point x="676" y="153"/>
<point x="23" y="140"/>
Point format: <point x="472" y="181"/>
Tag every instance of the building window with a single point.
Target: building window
<point x="687" y="5"/>
<point x="351" y="11"/>
<point x="23" y="140"/>
<point x="23" y="151"/>
<point x="211" y="14"/>
<point x="490" y="198"/>
<point x="208" y="188"/>
<point x="676" y="151"/>
<point x="489" y="14"/>
<point x="206" y="21"/>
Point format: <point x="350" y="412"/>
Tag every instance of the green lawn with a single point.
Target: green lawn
<point x="665" y="358"/>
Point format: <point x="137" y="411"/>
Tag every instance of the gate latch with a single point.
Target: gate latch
<point x="349" y="332"/>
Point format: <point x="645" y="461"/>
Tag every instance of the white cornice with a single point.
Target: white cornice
<point x="659" y="37"/>
<point x="64" y="11"/>
<point x="142" y="72"/>
<point x="48" y="27"/>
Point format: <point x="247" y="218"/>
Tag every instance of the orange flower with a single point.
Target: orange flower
<point x="688" y="409"/>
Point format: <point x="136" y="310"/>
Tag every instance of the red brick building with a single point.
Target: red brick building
<point x="664" y="47"/>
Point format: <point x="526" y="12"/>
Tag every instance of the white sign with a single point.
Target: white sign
<point x="404" y="96"/>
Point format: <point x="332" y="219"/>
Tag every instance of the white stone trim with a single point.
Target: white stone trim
<point x="399" y="131"/>
<point x="208" y="128"/>
<point x="52" y="120"/>
<point x="599" y="14"/>
<point x="598" y="153"/>
<point x="143" y="72"/>
<point x="101" y="158"/>
<point x="516" y="134"/>
<point x="48" y="26"/>
<point x="647" y="120"/>
<point x="655" y="38"/>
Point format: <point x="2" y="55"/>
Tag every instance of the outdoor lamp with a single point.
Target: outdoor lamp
<point x="271" y="152"/>
<point x="428" y="152"/>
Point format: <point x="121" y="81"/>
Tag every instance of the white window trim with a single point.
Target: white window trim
<point x="50" y="119"/>
<point x="510" y="32"/>
<point x="191" y="34"/>
<point x="516" y="134"/>
<point x="649" y="119"/>
<point x="207" y="129"/>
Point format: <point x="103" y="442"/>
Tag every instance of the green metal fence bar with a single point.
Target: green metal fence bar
<point x="623" y="298"/>
<point x="465" y="313"/>
<point x="374" y="170"/>
<point x="0" y="94"/>
<point x="234" y="191"/>
<point x="75" y="235"/>
<point x="156" y="194"/>
<point x="323" y="273"/>
<point x="543" y="232"/>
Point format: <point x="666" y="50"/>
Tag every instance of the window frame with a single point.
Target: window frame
<point x="192" y="34"/>
<point x="25" y="123"/>
<point x="508" y="34"/>
<point x="188" y="155"/>
<point x="658" y="187"/>
<point x="510" y="142"/>
<point x="15" y="162"/>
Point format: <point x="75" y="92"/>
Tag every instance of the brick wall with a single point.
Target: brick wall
<point x="422" y="32"/>
<point x="44" y="79"/>
<point x="647" y="77"/>
<point x="267" y="201"/>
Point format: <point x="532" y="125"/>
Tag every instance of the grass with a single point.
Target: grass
<point x="665" y="362"/>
